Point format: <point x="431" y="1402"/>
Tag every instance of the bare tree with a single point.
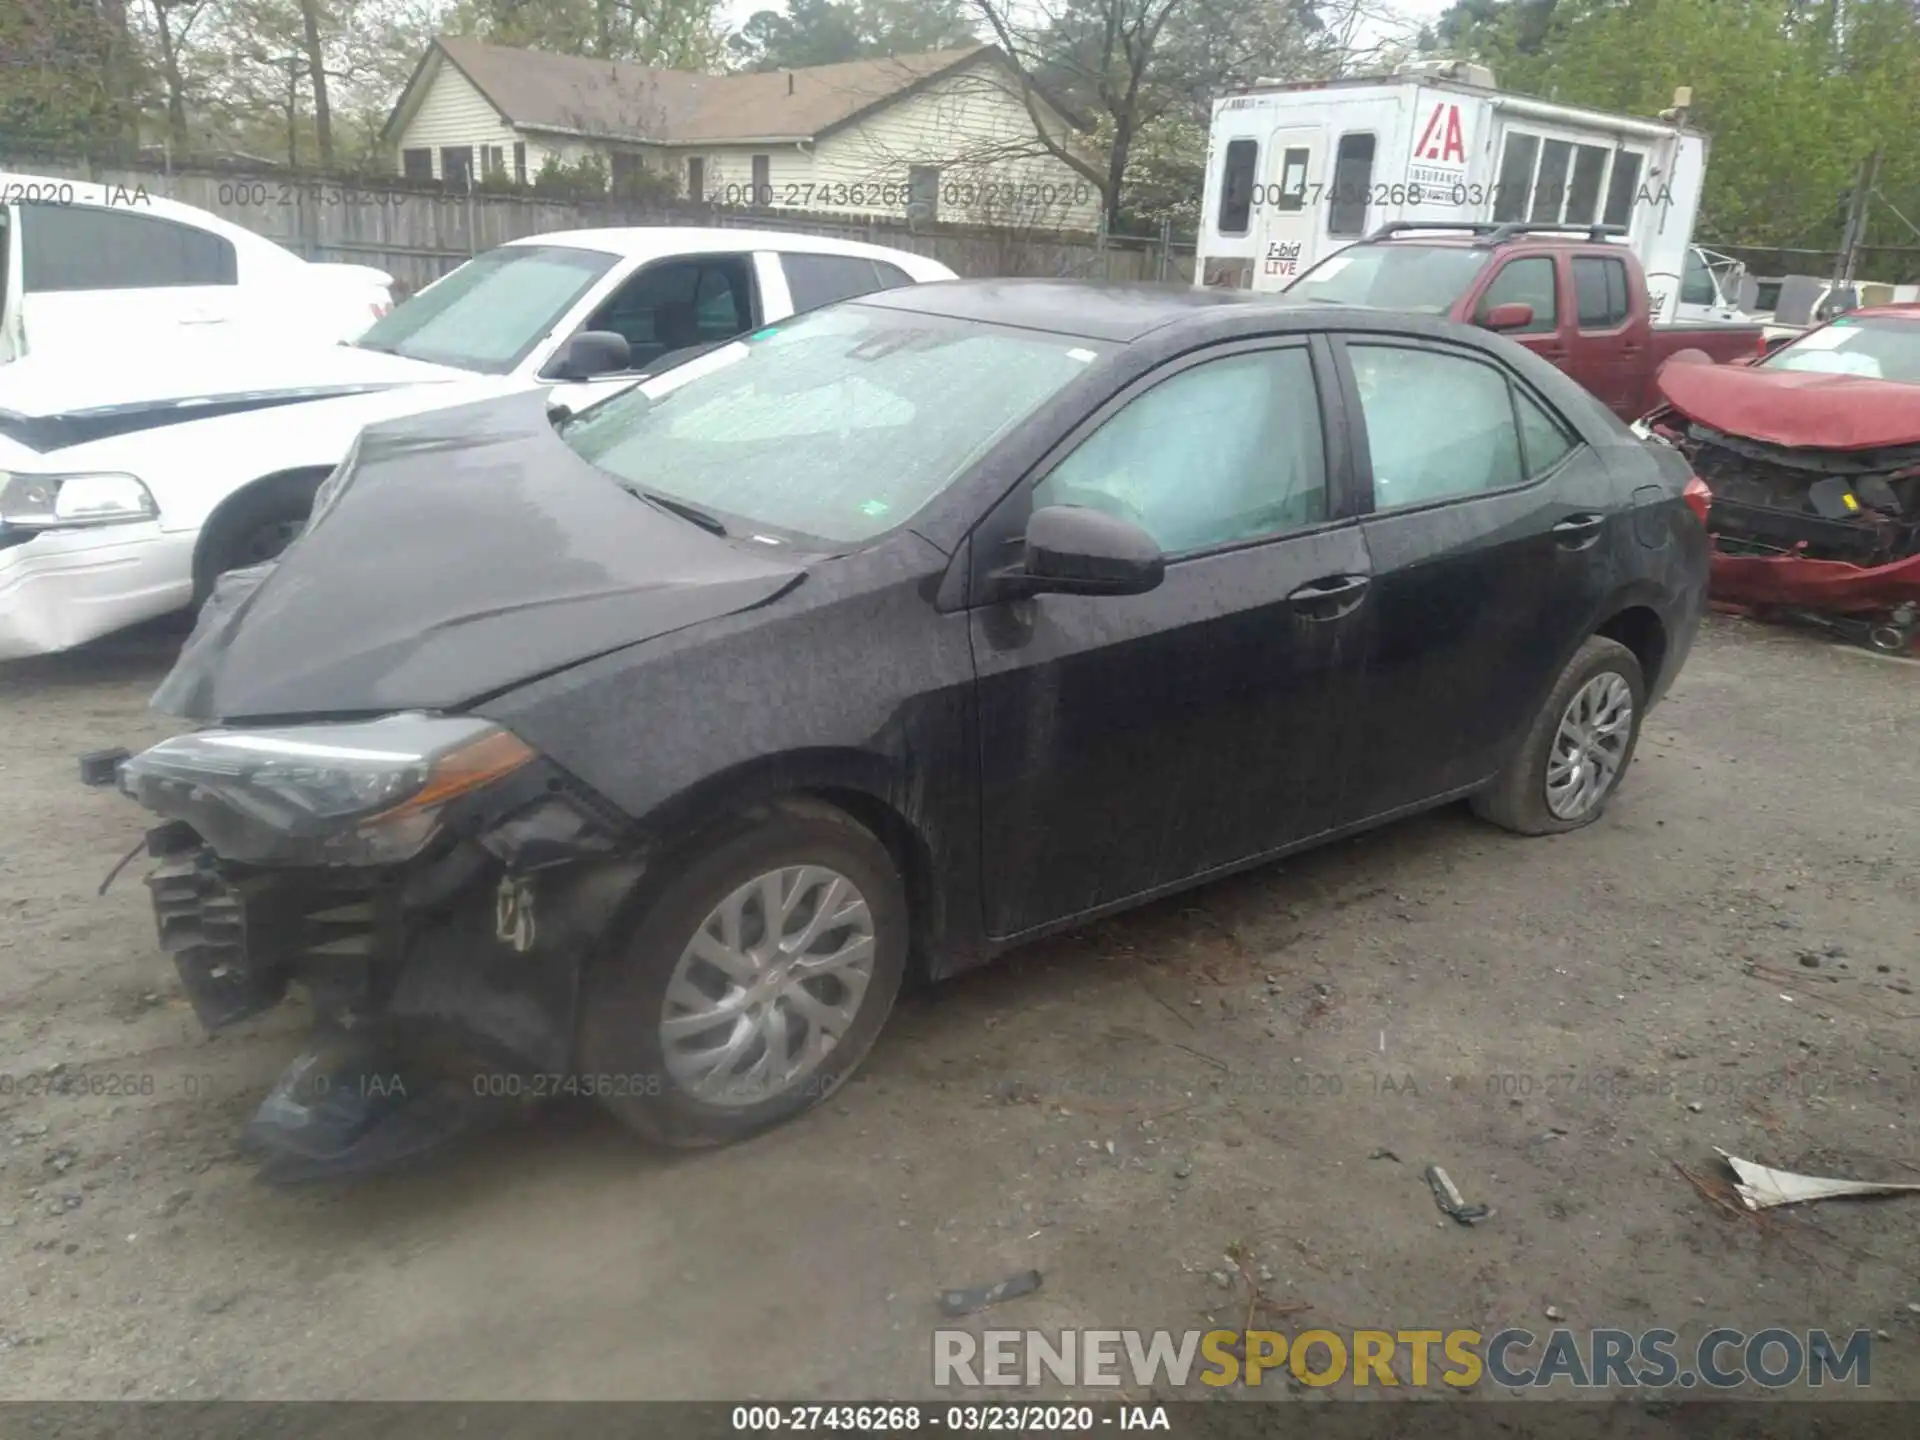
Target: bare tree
<point x="1098" y="49"/>
<point x="315" y="52"/>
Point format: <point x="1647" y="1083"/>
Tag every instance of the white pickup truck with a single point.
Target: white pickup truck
<point x="132" y="478"/>
<point x="86" y="267"/>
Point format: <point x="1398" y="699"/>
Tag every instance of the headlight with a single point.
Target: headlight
<point x="354" y="794"/>
<point x="44" y="502"/>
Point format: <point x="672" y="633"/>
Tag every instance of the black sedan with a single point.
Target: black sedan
<point x="642" y="754"/>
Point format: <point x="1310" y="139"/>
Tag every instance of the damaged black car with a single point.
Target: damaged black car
<point x="643" y="754"/>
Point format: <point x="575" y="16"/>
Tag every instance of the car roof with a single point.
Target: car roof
<point x="1117" y="312"/>
<point x="646" y="242"/>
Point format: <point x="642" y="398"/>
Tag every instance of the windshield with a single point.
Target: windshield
<point x="1878" y="349"/>
<point x="488" y="314"/>
<point x="1393" y="276"/>
<point x="835" y="426"/>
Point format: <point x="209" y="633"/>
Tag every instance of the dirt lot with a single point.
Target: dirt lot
<point x="1727" y="960"/>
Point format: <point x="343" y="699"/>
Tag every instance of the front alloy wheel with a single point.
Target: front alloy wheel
<point x="763" y="968"/>
<point x="771" y="981"/>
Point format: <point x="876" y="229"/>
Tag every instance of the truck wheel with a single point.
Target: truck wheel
<point x="254" y="525"/>
<point x="1578" y="748"/>
<point x="754" y="984"/>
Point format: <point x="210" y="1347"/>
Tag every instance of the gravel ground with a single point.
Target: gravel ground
<point x="1260" y="1068"/>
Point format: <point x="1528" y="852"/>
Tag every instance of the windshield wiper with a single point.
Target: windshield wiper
<point x="692" y="513"/>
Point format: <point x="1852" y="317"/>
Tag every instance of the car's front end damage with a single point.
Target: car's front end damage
<point x="345" y="827"/>
<point x="1816" y="492"/>
<point x="430" y="884"/>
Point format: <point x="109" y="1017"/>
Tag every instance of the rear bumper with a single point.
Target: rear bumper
<point x="65" y="588"/>
<point x="1833" y="586"/>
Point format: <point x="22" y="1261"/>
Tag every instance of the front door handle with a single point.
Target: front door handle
<point x="1329" y="597"/>
<point x="1577" y="532"/>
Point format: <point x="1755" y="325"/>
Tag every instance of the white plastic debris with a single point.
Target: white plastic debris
<point x="1762" y="1187"/>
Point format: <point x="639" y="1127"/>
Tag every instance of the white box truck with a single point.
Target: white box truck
<point x="1295" y="172"/>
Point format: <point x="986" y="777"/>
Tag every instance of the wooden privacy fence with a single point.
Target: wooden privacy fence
<point x="417" y="234"/>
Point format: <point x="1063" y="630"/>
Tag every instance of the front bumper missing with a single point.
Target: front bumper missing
<point x="428" y="982"/>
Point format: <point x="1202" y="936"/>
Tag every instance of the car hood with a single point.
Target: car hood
<point x="464" y="551"/>
<point x="1801" y="409"/>
<point x="51" y="400"/>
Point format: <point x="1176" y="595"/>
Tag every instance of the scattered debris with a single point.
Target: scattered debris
<point x="1385" y="1154"/>
<point x="1183" y="1170"/>
<point x="1554" y="1312"/>
<point x="1447" y="1194"/>
<point x="1694" y="1106"/>
<point x="966" y="1302"/>
<point x="1761" y="1187"/>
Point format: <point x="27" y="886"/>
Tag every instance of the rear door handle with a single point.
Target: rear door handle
<point x="1329" y="597"/>
<point x="1577" y="532"/>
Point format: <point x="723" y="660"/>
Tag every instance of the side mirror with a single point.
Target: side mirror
<point x="1510" y="316"/>
<point x="1071" y="550"/>
<point x="589" y="354"/>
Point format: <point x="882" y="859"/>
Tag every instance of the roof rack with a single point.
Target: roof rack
<point x="1487" y="232"/>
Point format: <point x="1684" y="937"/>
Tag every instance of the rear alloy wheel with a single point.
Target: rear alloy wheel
<point x="758" y="980"/>
<point x="1577" y="749"/>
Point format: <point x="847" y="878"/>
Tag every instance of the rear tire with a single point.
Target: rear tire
<point x="678" y="993"/>
<point x="253" y="526"/>
<point x="1578" y="748"/>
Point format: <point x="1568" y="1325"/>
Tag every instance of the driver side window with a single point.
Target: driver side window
<point x="677" y="304"/>
<point x="1229" y="450"/>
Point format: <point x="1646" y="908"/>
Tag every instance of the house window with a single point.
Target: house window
<point x="495" y="163"/>
<point x="762" y="180"/>
<point x="520" y="162"/>
<point x="456" y="166"/>
<point x="1352" y="179"/>
<point x="696" y="178"/>
<point x="923" y="190"/>
<point x="416" y="164"/>
<point x="624" y="167"/>
<point x="1236" y="186"/>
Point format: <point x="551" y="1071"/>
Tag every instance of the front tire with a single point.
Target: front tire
<point x="755" y="982"/>
<point x="252" y="527"/>
<point x="1577" y="750"/>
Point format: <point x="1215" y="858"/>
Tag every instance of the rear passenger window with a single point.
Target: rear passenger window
<point x="1227" y="451"/>
<point x="1544" y="442"/>
<point x="816" y="280"/>
<point x="1439" y="426"/>
<point x="1236" y="186"/>
<point x="1352" y="179"/>
<point x="1601" y="287"/>
<point x="89" y="247"/>
<point x="1524" y="282"/>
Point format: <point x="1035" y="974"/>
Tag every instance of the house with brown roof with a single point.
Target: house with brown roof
<point x="949" y="133"/>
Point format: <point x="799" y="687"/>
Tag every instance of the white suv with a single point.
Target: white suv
<point x="86" y="266"/>
<point x="131" y="478"/>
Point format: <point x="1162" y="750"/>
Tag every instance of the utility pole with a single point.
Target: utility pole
<point x="1848" y="262"/>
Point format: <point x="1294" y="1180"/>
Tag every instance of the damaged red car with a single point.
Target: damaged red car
<point x="1813" y="456"/>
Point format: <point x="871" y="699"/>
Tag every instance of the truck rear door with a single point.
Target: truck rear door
<point x="1607" y="339"/>
<point x="1288" y="197"/>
